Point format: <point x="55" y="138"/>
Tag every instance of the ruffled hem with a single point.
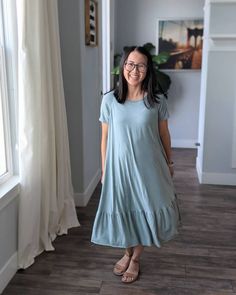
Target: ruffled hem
<point x="128" y="229"/>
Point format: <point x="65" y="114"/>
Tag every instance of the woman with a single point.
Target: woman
<point x="138" y="206"/>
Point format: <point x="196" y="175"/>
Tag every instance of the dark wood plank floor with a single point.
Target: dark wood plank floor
<point x="200" y="261"/>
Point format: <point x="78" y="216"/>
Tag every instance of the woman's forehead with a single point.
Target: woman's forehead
<point x="137" y="57"/>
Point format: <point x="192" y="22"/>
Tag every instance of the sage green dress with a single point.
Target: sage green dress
<point x="138" y="203"/>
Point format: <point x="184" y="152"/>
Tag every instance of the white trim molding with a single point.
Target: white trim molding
<point x="106" y="45"/>
<point x="199" y="169"/>
<point x="219" y="2"/>
<point x="234" y="135"/>
<point x="82" y="199"/>
<point x="222" y="36"/>
<point x="216" y="178"/>
<point x="9" y="191"/>
<point x="8" y="271"/>
<point x="222" y="44"/>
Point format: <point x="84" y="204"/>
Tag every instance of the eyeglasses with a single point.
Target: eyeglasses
<point x="129" y="66"/>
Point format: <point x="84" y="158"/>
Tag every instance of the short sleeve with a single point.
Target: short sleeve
<point x="105" y="109"/>
<point x="163" y="113"/>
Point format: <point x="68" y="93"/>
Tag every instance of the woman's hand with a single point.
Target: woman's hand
<point x="102" y="177"/>
<point x="171" y="168"/>
<point x="166" y="142"/>
<point x="103" y="147"/>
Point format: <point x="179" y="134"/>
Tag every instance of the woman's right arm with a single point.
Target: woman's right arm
<point x="104" y="146"/>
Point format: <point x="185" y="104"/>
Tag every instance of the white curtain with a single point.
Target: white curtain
<point x="46" y="206"/>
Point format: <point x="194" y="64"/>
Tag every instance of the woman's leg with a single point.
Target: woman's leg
<point x="138" y="250"/>
<point x="129" y="251"/>
<point x="132" y="272"/>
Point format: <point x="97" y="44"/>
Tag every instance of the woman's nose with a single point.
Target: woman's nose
<point x="135" y="69"/>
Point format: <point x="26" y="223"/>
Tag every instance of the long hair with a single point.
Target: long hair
<point x="149" y="84"/>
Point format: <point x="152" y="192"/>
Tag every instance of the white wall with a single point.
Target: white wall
<point x="81" y="66"/>
<point x="71" y="60"/>
<point x="136" y="24"/>
<point x="91" y="94"/>
<point x="217" y="128"/>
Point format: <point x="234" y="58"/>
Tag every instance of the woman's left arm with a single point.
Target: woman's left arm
<point x="166" y="142"/>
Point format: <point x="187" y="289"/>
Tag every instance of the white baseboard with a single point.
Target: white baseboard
<point x="215" y="178"/>
<point x="179" y="143"/>
<point x="8" y="271"/>
<point x="82" y="199"/>
<point x="199" y="169"/>
<point x="218" y="178"/>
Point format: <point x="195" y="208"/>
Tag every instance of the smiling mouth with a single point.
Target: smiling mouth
<point x="134" y="76"/>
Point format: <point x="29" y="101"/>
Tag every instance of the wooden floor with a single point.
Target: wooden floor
<point x="201" y="260"/>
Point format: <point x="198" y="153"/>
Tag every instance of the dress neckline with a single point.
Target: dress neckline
<point x="136" y="100"/>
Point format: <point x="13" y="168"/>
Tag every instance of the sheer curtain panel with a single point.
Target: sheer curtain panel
<point x="46" y="206"/>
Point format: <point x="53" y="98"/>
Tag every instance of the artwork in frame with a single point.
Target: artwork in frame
<point x="91" y="23"/>
<point x="183" y="40"/>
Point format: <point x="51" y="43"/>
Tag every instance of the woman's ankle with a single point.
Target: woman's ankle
<point x="129" y="252"/>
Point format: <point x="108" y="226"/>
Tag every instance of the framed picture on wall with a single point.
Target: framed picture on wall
<point x="91" y="23"/>
<point x="183" y="40"/>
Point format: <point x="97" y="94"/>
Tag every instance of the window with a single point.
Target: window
<point x="5" y="144"/>
<point x="3" y="159"/>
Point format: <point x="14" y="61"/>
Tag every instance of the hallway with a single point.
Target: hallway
<point x="200" y="261"/>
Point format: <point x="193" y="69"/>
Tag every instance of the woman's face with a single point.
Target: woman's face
<point x="135" y="68"/>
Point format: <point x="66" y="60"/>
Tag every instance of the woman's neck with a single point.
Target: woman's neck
<point x="135" y="94"/>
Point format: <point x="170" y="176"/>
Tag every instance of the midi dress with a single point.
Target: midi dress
<point x="138" y="203"/>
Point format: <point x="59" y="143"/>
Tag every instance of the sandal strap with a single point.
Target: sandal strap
<point x="117" y="265"/>
<point x="135" y="260"/>
<point x="131" y="276"/>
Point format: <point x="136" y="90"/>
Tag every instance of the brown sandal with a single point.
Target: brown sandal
<point x="132" y="276"/>
<point x="119" y="270"/>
